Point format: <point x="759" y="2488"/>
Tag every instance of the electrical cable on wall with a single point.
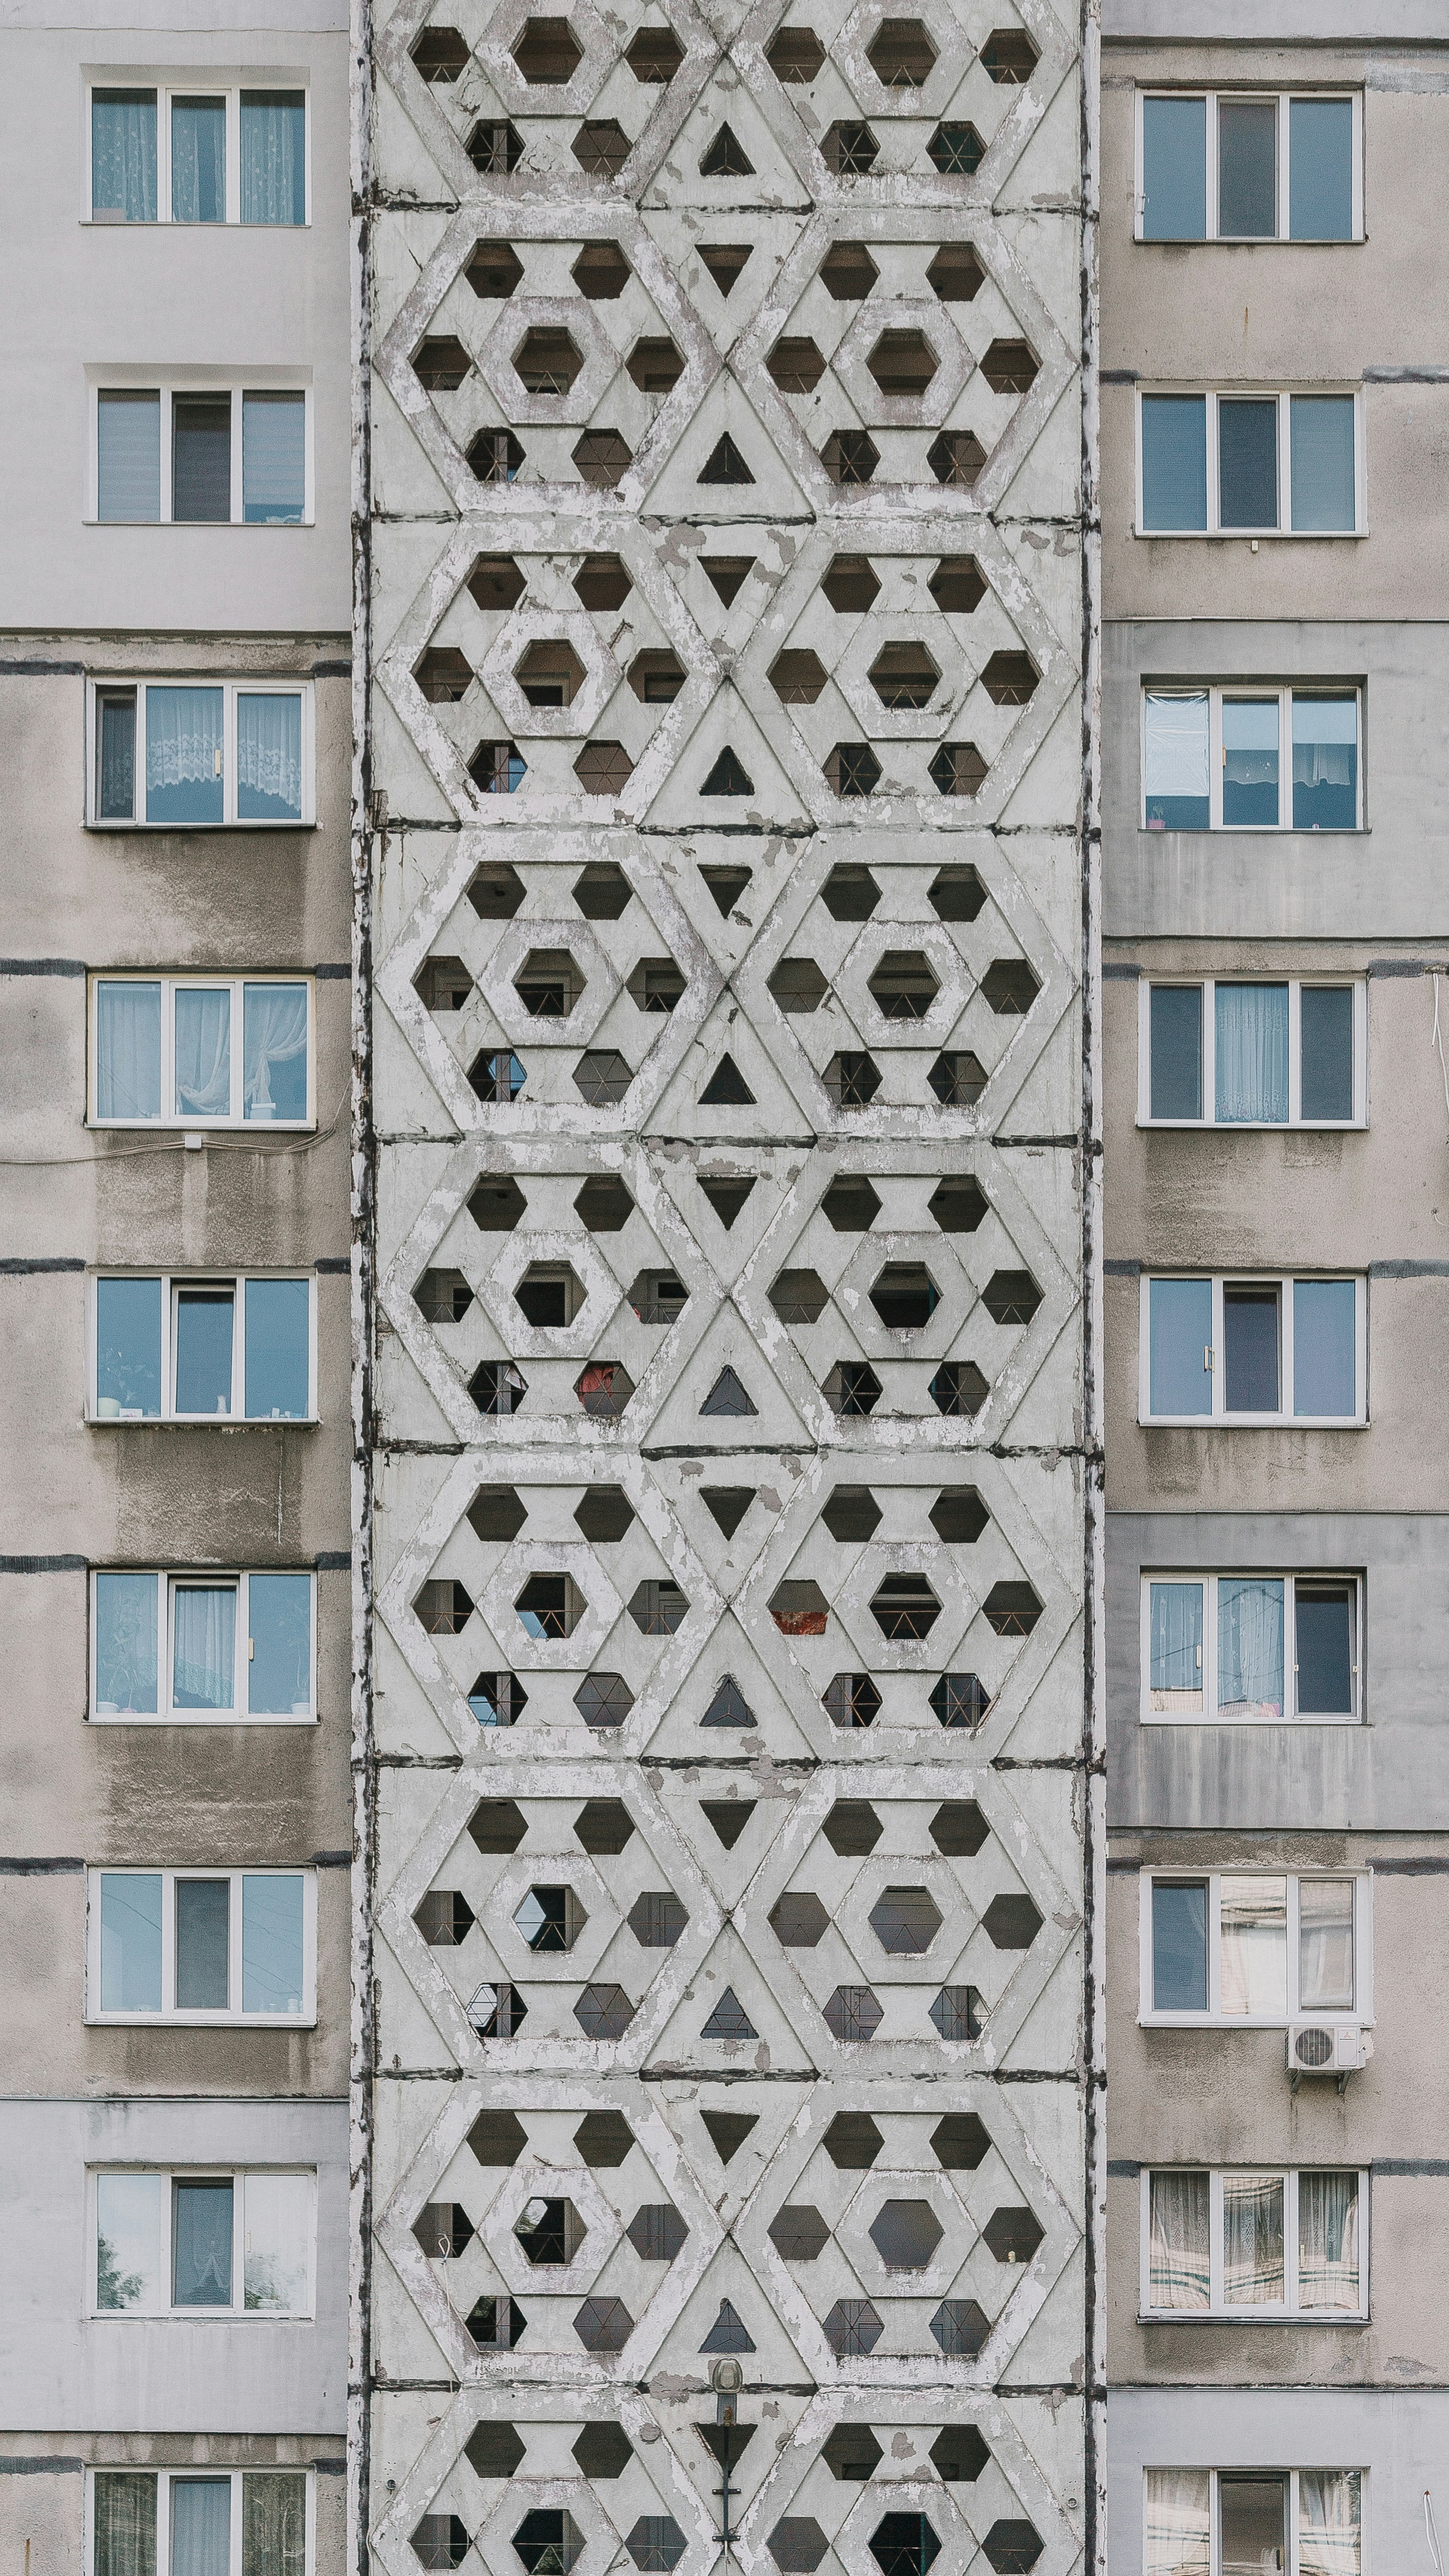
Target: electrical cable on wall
<point x="1430" y="2534"/>
<point x="1436" y="1041"/>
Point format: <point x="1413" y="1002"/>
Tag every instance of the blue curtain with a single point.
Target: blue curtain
<point x="128" y="1051"/>
<point x="1174" y="1652"/>
<point x="123" y="154"/>
<point x="273" y="156"/>
<point x="198" y="161"/>
<point x="1251" y="1027"/>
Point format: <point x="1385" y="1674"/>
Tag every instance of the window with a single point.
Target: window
<point x="1258" y="1350"/>
<point x="202" y="1945"/>
<point x="1250" y="760"/>
<point x="1249" y="464"/>
<point x="203" y="1051"/>
<point x="1255" y="2245"/>
<point x="227" y="2244"/>
<point x="204" y="155"/>
<point x="184" y="753"/>
<point x="1287" y="1054"/>
<point x="197" y="1350"/>
<point x="195" y="1648"/>
<point x="1253" y="1949"/>
<point x="201" y="2522"/>
<point x="194" y="454"/>
<point x="1239" y="2522"/>
<point x="1226" y="167"/>
<point x="1251" y="1646"/>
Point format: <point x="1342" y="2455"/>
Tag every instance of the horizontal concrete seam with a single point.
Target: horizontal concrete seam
<point x="331" y="1860"/>
<point x="1122" y="1269"/>
<point x="1114" y="974"/>
<point x="333" y="1560"/>
<point x="43" y="670"/>
<point x="1408" y="1270"/>
<point x="1408" y="375"/>
<point x="42" y="1565"/>
<point x="333" y="1262"/>
<point x="332" y="974"/>
<point x="42" y="966"/>
<point x="22" y="1269"/>
<point x="18" y="1868"/>
<point x="62" y="2466"/>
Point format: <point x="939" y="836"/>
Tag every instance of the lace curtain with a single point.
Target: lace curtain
<point x="1178" y="2240"/>
<point x="1175" y="1646"/>
<point x="1330" y="2522"/>
<point x="269" y="758"/>
<point x="1254" y="1913"/>
<point x="203" y="1055"/>
<point x="204" y="1651"/>
<point x="183" y="746"/>
<point x="273" y="156"/>
<point x="274" y="1051"/>
<point x="123" y="154"/>
<point x="1325" y="1945"/>
<point x="198" y="161"/>
<point x="1250" y="1647"/>
<point x="1252" y="1051"/>
<point x="1328" y="2240"/>
<point x="128" y="1051"/>
<point x="1253" y="2240"/>
<point x="1179" y="2523"/>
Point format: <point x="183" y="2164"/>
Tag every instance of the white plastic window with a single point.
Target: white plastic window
<point x="200" y="151"/>
<point x="202" y="1946"/>
<point x="203" y="1648"/>
<point x="1238" y="166"/>
<point x="1250" y="1648"/>
<point x="1256" y="1351"/>
<point x="203" y="2243"/>
<point x="1248" y="2522"/>
<point x="211" y="1349"/>
<point x="1252" y="758"/>
<point x="1250" y="461"/>
<point x="191" y="754"/>
<point x="1255" y="2244"/>
<point x="199" y="2521"/>
<point x="199" y="453"/>
<point x="201" y="1051"/>
<point x="1254" y="1949"/>
<point x="1229" y="1051"/>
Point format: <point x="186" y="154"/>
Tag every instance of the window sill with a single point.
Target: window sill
<point x="1251" y="241"/>
<point x="206" y="1132"/>
<point x="155" y="224"/>
<point x="1251" y="1126"/>
<point x="1251" y="1422"/>
<point x="253" y="823"/>
<point x="1253" y="831"/>
<point x="1338" y="2318"/>
<point x="203" y="1422"/>
<point x="1278" y="2023"/>
<point x="195" y="1717"/>
<point x="1251" y="536"/>
<point x="200" y="2021"/>
<point x="251" y="527"/>
<point x="1203" y="1717"/>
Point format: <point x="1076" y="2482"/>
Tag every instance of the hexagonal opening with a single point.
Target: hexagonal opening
<point x="959" y="1517"/>
<point x="550" y="2231"/>
<point x="547" y="360"/>
<point x="849" y="149"/>
<point x="1009" y="57"/>
<point x="656" y="677"/>
<point x="603" y="1389"/>
<point x="906" y="2234"/>
<point x="444" y="675"/>
<point x="852" y="2326"/>
<point x="799" y="1920"/>
<point x="601" y="272"/>
<point x="496" y="582"/>
<point x="1009" y="367"/>
<point x="957" y="585"/>
<point x="603" y="2450"/>
<point x="904" y="984"/>
<point x="550" y="673"/>
<point x="602" y="583"/>
<point x="441" y="55"/>
<point x="658" y="1608"/>
<point x="603" y="769"/>
<point x="493" y="271"/>
<point x="443" y="1607"/>
<point x="602" y="891"/>
<point x="549" y="1919"/>
<point x="795" y="365"/>
<point x="441" y="362"/>
<point x="904" y="675"/>
<point x="654" y="55"/>
<point x="654" y="364"/>
<point x="799" y="1296"/>
<point x="656" y="985"/>
<point x="602" y="1077"/>
<point x="603" y="2325"/>
<point x="548" y="2541"/>
<point x="603" y="459"/>
<point x="958" y="1828"/>
<point x="850" y="892"/>
<point x="1010" y="679"/>
<point x="795" y="54"/>
<point x="957" y="2013"/>
<point x="851" y="1204"/>
<point x="496" y="1207"/>
<point x="550" y="1292"/>
<point x="497" y="1512"/>
<point x="851" y="2452"/>
<point x="494" y="2450"/>
<point x="495" y="456"/>
<point x="957" y="769"/>
<point x="1013" y="2547"/>
<point x="495" y="146"/>
<point x="852" y="769"/>
<point x="603" y="1204"/>
<point x="852" y="1513"/>
<point x="851" y="1700"/>
<point x="958" y="1388"/>
<point x="547" y="53"/>
<point x="851" y="585"/>
<point x="959" y="2328"/>
<point x="604" y="1514"/>
<point x="852" y="1390"/>
<point x="852" y="2141"/>
<point x="958" y="1207"/>
<point x="901" y="54"/>
<point x="495" y="890"/>
<point x="442" y="983"/>
<point x="657" y="1918"/>
<point x="1011" y="1297"/>
<point x="956" y="894"/>
<point x="904" y="2544"/>
<point x="657" y="2232"/>
<point x="656" y="2544"/>
<point x="549" y="983"/>
<point x="956" y="458"/>
<point x="904" y="1606"/>
<point x="603" y="2138"/>
<point x="853" y="2013"/>
<point x="955" y="275"/>
<point x="852" y="1828"/>
<point x="797" y="2544"/>
<point x="440" y="2540"/>
<point x="550" y="1605"/>
<point x="1013" y="2235"/>
<point x="799" y="2234"/>
<point x="904" y="364"/>
<point x="1009" y="987"/>
<point x="498" y="1699"/>
<point x="1011" y="1922"/>
<point x="797" y="985"/>
<point x="603" y="1700"/>
<point x="847" y="272"/>
<point x="797" y="677"/>
<point x="905" y="1921"/>
<point x="498" y="768"/>
<point x="905" y="1296"/>
<point x="658" y="1296"/>
<point x="443" y="1296"/>
<point x="958" y="1080"/>
<point x="601" y="147"/>
<point x="956" y="150"/>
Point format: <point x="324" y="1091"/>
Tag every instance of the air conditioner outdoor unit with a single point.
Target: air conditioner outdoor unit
<point x="1327" y="2048"/>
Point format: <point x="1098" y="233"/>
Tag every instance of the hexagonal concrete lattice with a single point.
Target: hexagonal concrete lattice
<point x="906" y="2234"/>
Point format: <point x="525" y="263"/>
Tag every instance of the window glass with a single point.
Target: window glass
<point x="1175" y="1649"/>
<point x="1252" y="2525"/>
<point x="128" y="1050"/>
<point x="203" y="1673"/>
<point x="273" y="156"/>
<point x="1250" y="761"/>
<point x="200" y="2526"/>
<point x="198" y="161"/>
<point x="1248" y="463"/>
<point x="131" y="1941"/>
<point x="1253" y="2240"/>
<point x="274" y="2525"/>
<point x="1174" y="169"/>
<point x="273" y="457"/>
<point x="1328" y="2241"/>
<point x="128" y="455"/>
<point x="204" y="1317"/>
<point x="1320" y="169"/>
<point x="1327" y="1041"/>
<point x="1325" y="1945"/>
<point x="129" y="2263"/>
<point x="278" y="2241"/>
<point x="1321" y="437"/>
<point x="1325" y="764"/>
<point x="202" y="2240"/>
<point x="123" y="160"/>
<point x="116" y="757"/>
<point x="203" y="1918"/>
<point x="203" y="1053"/>
<point x="278" y="1349"/>
<point x="1324" y="1359"/>
<point x="272" y="1945"/>
<point x="1254" y="1956"/>
<point x="1180" y="1331"/>
<point x="200" y="456"/>
<point x="124" y="2505"/>
<point x="1178" y="2241"/>
<point x="280" y="1667"/>
<point x="183" y="755"/>
<point x="1247" y="168"/>
<point x="1250" y="1646"/>
<point x="1179" y="1946"/>
<point x="1250" y="1031"/>
<point x="1250" y="1349"/>
<point x="1174" y="461"/>
<point x="274" y="1048"/>
<point x="1330" y="2522"/>
<point x="269" y="758"/>
<point x="128" y="1348"/>
<point x="1175" y="763"/>
<point x="127" y="1618"/>
<point x="1179" y="2530"/>
<point x="1323" y="1618"/>
<point x="1176" y="1049"/>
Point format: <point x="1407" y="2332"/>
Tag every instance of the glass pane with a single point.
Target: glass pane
<point x="278" y="2242"/>
<point x="1254" y="1954"/>
<point x="183" y="755"/>
<point x="274" y="457"/>
<point x="127" y="1621"/>
<point x="1320" y="169"/>
<point x="274" y="1050"/>
<point x="1174" y="461"/>
<point x="1174" y="169"/>
<point x="1330" y="2522"/>
<point x="128" y="456"/>
<point x="1250" y="761"/>
<point x="116" y="758"/>
<point x="200" y="2526"/>
<point x="1174" y="1651"/>
<point x="1326" y="1021"/>
<point x="128" y="1051"/>
<point x="1324" y="1622"/>
<point x="272" y="1945"/>
<point x="1325" y="1371"/>
<point x="1178" y="2527"/>
<point x="203" y="1943"/>
<point x="123" y="171"/>
<point x="1321" y="435"/>
<point x="1179" y="1947"/>
<point x="203" y="1054"/>
<point x="1253" y="2240"/>
<point x="1250" y="1646"/>
<point x="198" y="161"/>
<point x="1247" y="169"/>
<point x="1325" y="764"/>
<point x="1325" y="1945"/>
<point x="125" y="2522"/>
<point x="1178" y="2241"/>
<point x="128" y="1348"/>
<point x="1252" y="2526"/>
<point x="1250" y="1350"/>
<point x="1248" y="464"/>
<point x="201" y="456"/>
<point x="278" y="1346"/>
<point x="274" y="2525"/>
<point x="130" y="2258"/>
<point x="268" y="758"/>
<point x="1180" y="1331"/>
<point x="280" y="1668"/>
<point x="1176" y="1072"/>
<point x="1175" y="764"/>
<point x="203" y="1349"/>
<point x="202" y="2220"/>
<point x="1328" y="2241"/>
<point x="273" y="156"/>
<point x="1250" y="1026"/>
<point x="131" y="1941"/>
<point x="203" y="1672"/>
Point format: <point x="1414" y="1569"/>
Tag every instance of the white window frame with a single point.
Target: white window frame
<point x="1210" y="1714"/>
<point x="199" y="2469"/>
<point x="1285" y="1417"/>
<point x="1244" y="98"/>
<point x="1238" y="691"/>
<point x="1214" y="2018"/>
<point x="238" y="2176"/>
<point x="110" y="380"/>
<point x="1285" y="532"/>
<point x="204" y="85"/>
<point x="191" y="2015"/>
<point x="1339" y="2468"/>
<point x="137" y="684"/>
<point x="180" y="1578"/>
<point x="1297" y="984"/>
<point x="1239" y="2312"/>
<point x="171" y="985"/>
<point x="173" y="1280"/>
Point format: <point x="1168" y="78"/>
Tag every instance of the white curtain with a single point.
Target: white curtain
<point x="128" y="1051"/>
<point x="204" y="1652"/>
<point x="1325" y="1945"/>
<point x="183" y="738"/>
<point x="203" y="1055"/>
<point x="274" y="1036"/>
<point x="123" y="154"/>
<point x="1178" y="2240"/>
<point x="200" y="2526"/>
<point x="1179" y="2522"/>
<point x="1254" y="1945"/>
<point x="198" y="161"/>
<point x="1176" y="765"/>
<point x="1250" y="1647"/>
<point x="1252" y="1051"/>
<point x="1328" y="2240"/>
<point x="1253" y="2240"/>
<point x="269" y="757"/>
<point x="1175" y="1646"/>
<point x="273" y="156"/>
<point x="126" y="1643"/>
<point x="1330" y="2522"/>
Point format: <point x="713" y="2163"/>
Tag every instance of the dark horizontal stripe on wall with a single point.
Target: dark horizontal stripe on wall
<point x="1122" y="2169"/>
<point x="43" y="670"/>
<point x="330" y="2468"/>
<point x="42" y="966"/>
<point x="27" y="1269"/>
<point x="1406" y="375"/>
<point x="1122" y="1269"/>
<point x="332" y="670"/>
<point x="333" y="1560"/>
<point x="333" y="974"/>
<point x="329" y="1261"/>
<point x="1410" y="1868"/>
<point x="1121" y="974"/>
<point x="1117" y="376"/>
<point x="332" y="1860"/>
<point x="1408" y="1270"/>
<point x="42" y="1565"/>
<point x="42" y="1868"/>
<point x="1400" y="966"/>
<point x="1435" y="2165"/>
<point x="1123" y="1868"/>
<point x="60" y="2466"/>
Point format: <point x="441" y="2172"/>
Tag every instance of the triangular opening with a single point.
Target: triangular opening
<point x="726" y="1198"/>
<point x="729" y="2019"/>
<point x="725" y="464"/>
<point x="725" y="575"/>
<point x="726" y="158"/>
<point x="727" y="1396"/>
<point x="729" y="2332"/>
<point x="725" y="260"/>
<point x="728" y="2130"/>
<point x="729" y="1707"/>
<point x="727" y="1505"/>
<point x="729" y="777"/>
<point x="728" y="1817"/>
<point x="727" y="1088"/>
<point x="726" y="885"/>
